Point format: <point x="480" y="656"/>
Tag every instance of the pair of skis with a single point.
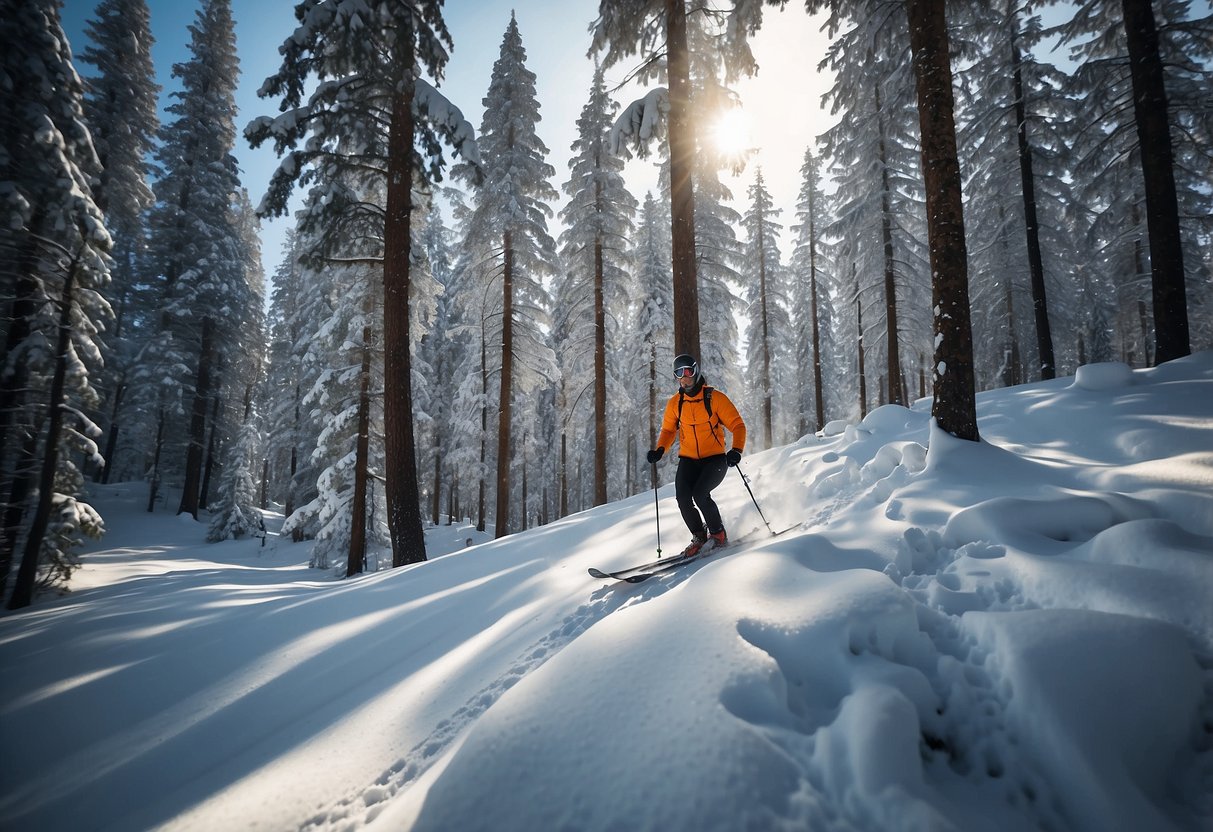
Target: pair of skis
<point x="636" y="574"/>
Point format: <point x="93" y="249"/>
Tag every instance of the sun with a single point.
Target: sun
<point x="731" y="133"/>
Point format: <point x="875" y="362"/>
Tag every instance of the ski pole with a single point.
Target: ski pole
<point x="657" y="510"/>
<point x="746" y="480"/>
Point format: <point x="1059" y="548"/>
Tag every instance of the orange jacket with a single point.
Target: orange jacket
<point x="700" y="435"/>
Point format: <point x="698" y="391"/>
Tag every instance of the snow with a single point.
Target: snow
<point x="1012" y="634"/>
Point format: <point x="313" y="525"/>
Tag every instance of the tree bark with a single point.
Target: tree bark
<point x="506" y="390"/>
<point x="202" y="392"/>
<point x="1157" y="167"/>
<point x="153" y="486"/>
<point x="1040" y="305"/>
<point x="767" y="405"/>
<point x="955" y="405"/>
<point x="356" y="557"/>
<point x="817" y="386"/>
<point x="892" y="343"/>
<point x="863" y="378"/>
<point x="403" y="496"/>
<point x="600" y="403"/>
<point x="204" y="490"/>
<point x="682" y="193"/>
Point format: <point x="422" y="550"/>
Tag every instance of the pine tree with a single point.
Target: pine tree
<point x="809" y="300"/>
<point x="438" y="353"/>
<point x="879" y="222"/>
<point x="598" y="223"/>
<point x="511" y="209"/>
<point x="1016" y="194"/>
<point x="120" y="107"/>
<point x="770" y="329"/>
<point x="198" y="253"/>
<point x="53" y="255"/>
<point x="1149" y="171"/>
<point x="376" y="117"/>
<point x="654" y="315"/>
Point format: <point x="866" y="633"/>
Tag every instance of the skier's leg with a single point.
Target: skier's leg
<point x="685" y="482"/>
<point x="711" y="474"/>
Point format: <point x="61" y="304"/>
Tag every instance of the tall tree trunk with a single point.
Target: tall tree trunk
<point x="506" y="391"/>
<point x="682" y="192"/>
<point x="892" y="343"/>
<point x="202" y="392"/>
<point x="564" y="474"/>
<point x="600" y="392"/>
<point x="403" y="496"/>
<point x="863" y="377"/>
<point x="817" y="386"/>
<point x="1157" y="167"/>
<point x="204" y="490"/>
<point x="153" y="486"/>
<point x="1044" y="335"/>
<point x="27" y="572"/>
<point x="484" y="427"/>
<point x="356" y="557"/>
<point x="111" y="439"/>
<point x="525" y="524"/>
<point x="264" y="502"/>
<point x="767" y="406"/>
<point x="955" y="405"/>
<point x="289" y="508"/>
<point x="1012" y="374"/>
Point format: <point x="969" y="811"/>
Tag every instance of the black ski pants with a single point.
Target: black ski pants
<point x="693" y="486"/>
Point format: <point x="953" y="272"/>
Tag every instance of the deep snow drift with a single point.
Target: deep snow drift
<point x="1011" y="635"/>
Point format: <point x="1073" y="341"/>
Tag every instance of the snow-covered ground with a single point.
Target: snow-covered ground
<point x="1011" y="635"/>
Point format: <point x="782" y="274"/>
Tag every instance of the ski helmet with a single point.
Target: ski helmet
<point x="684" y="362"/>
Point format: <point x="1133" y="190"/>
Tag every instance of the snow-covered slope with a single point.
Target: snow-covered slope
<point x="1011" y="635"/>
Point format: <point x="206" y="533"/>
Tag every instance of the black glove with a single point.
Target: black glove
<point x="654" y="455"/>
<point x="733" y="457"/>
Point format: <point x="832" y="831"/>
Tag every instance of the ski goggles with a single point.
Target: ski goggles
<point x="686" y="372"/>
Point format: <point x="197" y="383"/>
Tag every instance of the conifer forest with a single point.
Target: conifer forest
<point x="460" y="330"/>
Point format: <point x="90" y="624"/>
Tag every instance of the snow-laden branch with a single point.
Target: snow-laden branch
<point x="640" y="123"/>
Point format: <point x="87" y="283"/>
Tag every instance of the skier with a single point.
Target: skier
<point x="699" y="414"/>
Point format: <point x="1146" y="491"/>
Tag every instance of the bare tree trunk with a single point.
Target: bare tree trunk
<point x="400" y="451"/>
<point x="863" y="378"/>
<point x="202" y="392"/>
<point x="955" y="405"/>
<point x="205" y="489"/>
<point x="484" y="426"/>
<point x="111" y="439"/>
<point x="506" y="390"/>
<point x="600" y="393"/>
<point x="264" y="502"/>
<point x="1157" y="167"/>
<point x="819" y="393"/>
<point x="1044" y="335"/>
<point x="892" y="343"/>
<point x="154" y="482"/>
<point x="356" y="556"/>
<point x="564" y="474"/>
<point x="768" y="428"/>
<point x="682" y="192"/>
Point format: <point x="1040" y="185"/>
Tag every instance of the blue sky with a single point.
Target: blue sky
<point x="555" y="34"/>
